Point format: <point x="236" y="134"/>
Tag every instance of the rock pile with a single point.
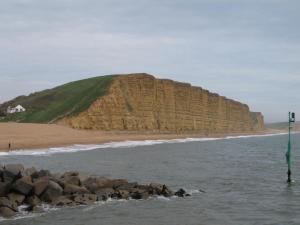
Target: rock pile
<point x="31" y="188"/>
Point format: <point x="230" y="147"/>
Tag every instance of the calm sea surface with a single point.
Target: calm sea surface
<point x="244" y="182"/>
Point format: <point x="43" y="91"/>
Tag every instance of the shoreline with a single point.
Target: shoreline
<point x="29" y="136"/>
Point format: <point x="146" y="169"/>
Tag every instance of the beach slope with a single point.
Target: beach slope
<point x="35" y="136"/>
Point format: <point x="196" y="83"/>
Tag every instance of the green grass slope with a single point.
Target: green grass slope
<point x="51" y="104"/>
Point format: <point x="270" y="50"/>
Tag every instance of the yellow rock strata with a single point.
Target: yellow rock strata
<point x="140" y="102"/>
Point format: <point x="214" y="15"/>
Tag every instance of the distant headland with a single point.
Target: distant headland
<point x="135" y="102"/>
<point x="121" y="107"/>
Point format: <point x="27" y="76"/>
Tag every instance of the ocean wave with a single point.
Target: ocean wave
<point x="24" y="214"/>
<point x="121" y="144"/>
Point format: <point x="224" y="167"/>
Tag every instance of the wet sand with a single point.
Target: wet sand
<point x="35" y="136"/>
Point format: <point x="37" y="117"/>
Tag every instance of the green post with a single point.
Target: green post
<point x="288" y="153"/>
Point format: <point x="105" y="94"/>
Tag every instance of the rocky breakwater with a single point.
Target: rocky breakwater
<point x="28" y="189"/>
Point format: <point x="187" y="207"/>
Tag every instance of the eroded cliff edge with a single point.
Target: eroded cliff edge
<point x="140" y="102"/>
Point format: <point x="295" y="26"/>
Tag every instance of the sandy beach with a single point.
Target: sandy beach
<point x="34" y="136"/>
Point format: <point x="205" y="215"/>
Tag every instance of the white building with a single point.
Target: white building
<point x="16" y="109"/>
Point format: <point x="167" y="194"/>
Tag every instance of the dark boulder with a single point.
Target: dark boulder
<point x="58" y="180"/>
<point x="95" y="183"/>
<point x="136" y="195"/>
<point x="4" y="188"/>
<point x="166" y="192"/>
<point x="7" y="212"/>
<point x="40" y="185"/>
<point x="1" y="173"/>
<point x="33" y="200"/>
<point x="16" y="198"/>
<point x="156" y="189"/>
<point x="53" y="191"/>
<point x="180" y="193"/>
<point x="160" y="189"/>
<point x="139" y="194"/>
<point x="146" y="188"/>
<point x="74" y="180"/>
<point x="5" y="202"/>
<point x="63" y="201"/>
<point x="73" y="189"/>
<point x="82" y="178"/>
<point x="123" y="194"/>
<point x="85" y="199"/>
<point x="105" y="193"/>
<point x="12" y="172"/>
<point x="15" y="169"/>
<point x="23" y="185"/>
<point x="115" y="183"/>
<point x="128" y="186"/>
<point x="90" y="183"/>
<point x="41" y="173"/>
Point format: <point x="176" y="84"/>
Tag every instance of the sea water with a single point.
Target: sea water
<point x="234" y="180"/>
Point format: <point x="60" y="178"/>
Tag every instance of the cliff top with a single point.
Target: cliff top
<point x="147" y="75"/>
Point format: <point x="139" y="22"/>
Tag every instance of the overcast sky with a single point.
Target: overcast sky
<point x="248" y="50"/>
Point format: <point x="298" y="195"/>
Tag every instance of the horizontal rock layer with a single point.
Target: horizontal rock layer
<point x="140" y="102"/>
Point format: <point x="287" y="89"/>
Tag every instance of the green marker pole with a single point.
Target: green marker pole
<point x="288" y="154"/>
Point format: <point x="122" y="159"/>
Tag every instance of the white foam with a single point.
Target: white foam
<point x="160" y="197"/>
<point x="22" y="213"/>
<point x="191" y="192"/>
<point x="122" y="144"/>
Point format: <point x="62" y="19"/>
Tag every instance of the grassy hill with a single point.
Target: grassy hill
<point x="51" y="104"/>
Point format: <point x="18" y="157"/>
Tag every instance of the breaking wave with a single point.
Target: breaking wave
<point x="23" y="214"/>
<point x="121" y="144"/>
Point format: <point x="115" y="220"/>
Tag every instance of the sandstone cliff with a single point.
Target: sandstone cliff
<point x="139" y="102"/>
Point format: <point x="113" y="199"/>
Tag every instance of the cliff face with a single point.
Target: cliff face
<point x="139" y="102"/>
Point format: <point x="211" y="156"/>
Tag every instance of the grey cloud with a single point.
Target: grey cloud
<point x="248" y="50"/>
